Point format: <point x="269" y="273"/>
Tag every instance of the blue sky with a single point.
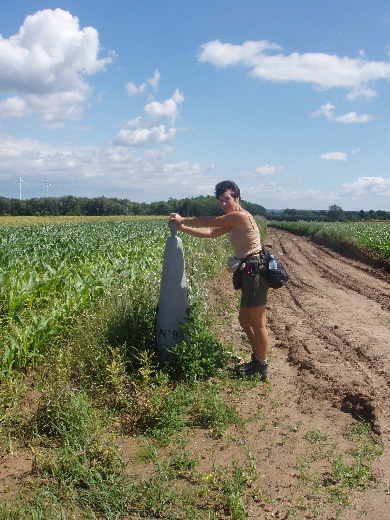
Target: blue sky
<point x="152" y="99"/>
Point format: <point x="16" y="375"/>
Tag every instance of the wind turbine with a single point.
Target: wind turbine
<point x="20" y="185"/>
<point x="47" y="187"/>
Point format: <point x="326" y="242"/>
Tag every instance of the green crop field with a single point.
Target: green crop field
<point x="374" y="236"/>
<point x="49" y="274"/>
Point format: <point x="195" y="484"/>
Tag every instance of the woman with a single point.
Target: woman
<point x="244" y="236"/>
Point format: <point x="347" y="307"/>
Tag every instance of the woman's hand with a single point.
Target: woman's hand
<point x="175" y="217"/>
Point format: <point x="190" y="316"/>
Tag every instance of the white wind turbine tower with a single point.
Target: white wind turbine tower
<point x="47" y="187"/>
<point x="20" y="185"/>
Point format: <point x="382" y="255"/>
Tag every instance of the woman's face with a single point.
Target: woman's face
<point x="228" y="203"/>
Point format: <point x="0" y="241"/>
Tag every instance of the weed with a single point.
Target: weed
<point x="210" y="411"/>
<point x="168" y="415"/>
<point x="231" y="483"/>
<point x="184" y="462"/>
<point x="349" y="471"/>
<point x="317" y="437"/>
<point x="356" y="473"/>
<point x="11" y="391"/>
<point x="152" y="496"/>
<point x="324" y="447"/>
<point x="199" y="355"/>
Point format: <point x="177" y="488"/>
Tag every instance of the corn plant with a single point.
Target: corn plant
<point x="49" y="274"/>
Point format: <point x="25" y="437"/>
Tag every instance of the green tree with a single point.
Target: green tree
<point x="336" y="213"/>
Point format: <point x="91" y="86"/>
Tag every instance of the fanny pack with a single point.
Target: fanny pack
<point x="276" y="277"/>
<point x="238" y="267"/>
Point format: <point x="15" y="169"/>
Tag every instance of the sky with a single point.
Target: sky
<point x="150" y="100"/>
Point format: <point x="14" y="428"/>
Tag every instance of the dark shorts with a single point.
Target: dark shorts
<point x="254" y="290"/>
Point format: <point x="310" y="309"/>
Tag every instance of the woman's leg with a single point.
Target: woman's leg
<point x="253" y="322"/>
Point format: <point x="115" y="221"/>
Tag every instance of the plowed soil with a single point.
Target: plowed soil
<point x="333" y="318"/>
<point x="329" y="365"/>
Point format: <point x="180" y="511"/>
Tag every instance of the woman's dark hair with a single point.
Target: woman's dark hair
<point x="223" y="186"/>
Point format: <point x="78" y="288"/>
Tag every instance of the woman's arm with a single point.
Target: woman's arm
<point x="224" y="221"/>
<point x="203" y="232"/>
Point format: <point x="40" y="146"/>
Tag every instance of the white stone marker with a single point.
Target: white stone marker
<point x="173" y="303"/>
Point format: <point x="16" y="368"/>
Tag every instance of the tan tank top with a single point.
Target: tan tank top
<point x="245" y="242"/>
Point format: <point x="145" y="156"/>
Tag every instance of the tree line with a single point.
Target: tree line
<point x="333" y="214"/>
<point x="188" y="207"/>
<point x="83" y="206"/>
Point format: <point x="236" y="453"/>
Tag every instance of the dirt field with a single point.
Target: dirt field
<point x="329" y="363"/>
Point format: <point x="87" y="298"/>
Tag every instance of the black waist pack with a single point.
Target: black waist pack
<point x="278" y="277"/>
<point x="237" y="279"/>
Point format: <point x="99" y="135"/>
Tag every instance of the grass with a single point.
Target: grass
<point x="78" y="471"/>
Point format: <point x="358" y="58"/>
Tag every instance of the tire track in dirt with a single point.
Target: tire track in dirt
<point x="333" y="318"/>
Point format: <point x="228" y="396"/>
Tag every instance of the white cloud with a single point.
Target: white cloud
<point x="45" y="66"/>
<point x="144" y="131"/>
<point x="144" y="136"/>
<point x="92" y="171"/>
<point x="154" y="175"/>
<point x="353" y="117"/>
<point x="225" y="54"/>
<point x="324" y="70"/>
<point x="327" y="110"/>
<point x="334" y="156"/>
<point x="133" y="90"/>
<point x="367" y="186"/>
<point x="266" y="170"/>
<point x="278" y="193"/>
<point x="361" y="91"/>
<point x="168" y="109"/>
<point x="153" y="83"/>
<point x="369" y="191"/>
<point x="53" y="109"/>
<point x="13" y="107"/>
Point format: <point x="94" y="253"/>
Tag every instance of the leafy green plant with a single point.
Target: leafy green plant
<point x="355" y="473"/>
<point x="199" y="355"/>
<point x="184" y="462"/>
<point x="169" y="413"/>
<point x="324" y="446"/>
<point x="231" y="483"/>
